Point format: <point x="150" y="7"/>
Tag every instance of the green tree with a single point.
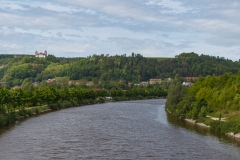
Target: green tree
<point x="176" y="93"/>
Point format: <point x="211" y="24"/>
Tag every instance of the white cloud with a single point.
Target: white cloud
<point x="61" y="8"/>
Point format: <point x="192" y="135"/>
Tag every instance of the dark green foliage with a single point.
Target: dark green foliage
<point x="103" y="69"/>
<point x="2" y="119"/>
<point x="225" y="127"/>
<point x="176" y="93"/>
<point x="212" y="95"/>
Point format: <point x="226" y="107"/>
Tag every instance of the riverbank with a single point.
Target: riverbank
<point x="194" y="122"/>
<point x="26" y="113"/>
<point x="229" y="134"/>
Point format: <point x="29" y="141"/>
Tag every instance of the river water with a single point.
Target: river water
<point x="118" y="130"/>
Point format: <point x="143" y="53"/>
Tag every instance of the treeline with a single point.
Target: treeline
<point x="216" y="96"/>
<point x="16" y="103"/>
<point x="103" y="69"/>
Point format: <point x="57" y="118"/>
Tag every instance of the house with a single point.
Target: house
<point x="50" y="80"/>
<point x="40" y="54"/>
<point x="155" y="81"/>
<point x="187" y="83"/>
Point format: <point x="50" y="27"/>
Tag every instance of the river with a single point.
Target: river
<point x="117" y="130"/>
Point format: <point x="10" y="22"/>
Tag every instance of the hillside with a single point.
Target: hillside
<point x="101" y="69"/>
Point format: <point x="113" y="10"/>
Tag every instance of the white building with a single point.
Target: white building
<point x="40" y="54"/>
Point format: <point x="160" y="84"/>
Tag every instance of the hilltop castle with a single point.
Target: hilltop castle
<point x="40" y="54"/>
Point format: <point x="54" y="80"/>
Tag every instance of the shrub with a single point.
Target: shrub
<point x="2" y="120"/>
<point x="54" y="106"/>
<point x="29" y="112"/>
<point x="36" y="110"/>
<point x="225" y="127"/>
<point x="74" y="102"/>
<point x="22" y="113"/>
<point x="65" y="104"/>
<point x="101" y="100"/>
<point x="2" y="110"/>
<point x="12" y="117"/>
<point x="200" y="120"/>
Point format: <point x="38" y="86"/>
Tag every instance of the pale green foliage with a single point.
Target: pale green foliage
<point x="212" y="94"/>
<point x="176" y="93"/>
<point x="27" y="84"/>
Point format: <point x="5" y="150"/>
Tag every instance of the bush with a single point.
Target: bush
<point x="225" y="127"/>
<point x="101" y="100"/>
<point x="65" y="104"/>
<point x="203" y="112"/>
<point x="200" y="120"/>
<point x="2" y="110"/>
<point x="54" y="106"/>
<point x="36" y="110"/>
<point x="22" y="113"/>
<point x="2" y="120"/>
<point x="74" y="102"/>
<point x="12" y="117"/>
<point x="117" y="98"/>
<point x="29" y="112"/>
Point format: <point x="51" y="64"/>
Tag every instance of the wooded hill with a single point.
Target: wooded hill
<point x="103" y="69"/>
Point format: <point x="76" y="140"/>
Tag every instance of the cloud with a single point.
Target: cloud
<point x="165" y="35"/>
<point x="171" y="7"/>
<point x="59" y="34"/>
<point x="149" y="27"/>
<point x="11" y="6"/>
<point x="225" y="39"/>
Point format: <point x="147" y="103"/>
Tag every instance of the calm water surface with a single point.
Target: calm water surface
<point x="120" y="130"/>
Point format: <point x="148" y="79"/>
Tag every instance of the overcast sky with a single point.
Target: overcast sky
<point x="153" y="28"/>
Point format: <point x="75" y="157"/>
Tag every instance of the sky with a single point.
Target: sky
<point x="152" y="28"/>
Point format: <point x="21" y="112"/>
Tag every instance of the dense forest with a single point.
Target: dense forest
<point x="211" y="96"/>
<point x="105" y="69"/>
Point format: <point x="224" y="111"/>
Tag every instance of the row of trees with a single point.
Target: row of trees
<point x="16" y="102"/>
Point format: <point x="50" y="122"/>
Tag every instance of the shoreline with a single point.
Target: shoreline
<point x="235" y="136"/>
<point x="194" y="122"/>
<point x="48" y="109"/>
<point x="230" y="134"/>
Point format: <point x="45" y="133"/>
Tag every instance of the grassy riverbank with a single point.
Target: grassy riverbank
<point x="17" y="115"/>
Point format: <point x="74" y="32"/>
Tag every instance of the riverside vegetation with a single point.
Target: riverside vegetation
<point x="19" y="103"/>
<point x="211" y="96"/>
